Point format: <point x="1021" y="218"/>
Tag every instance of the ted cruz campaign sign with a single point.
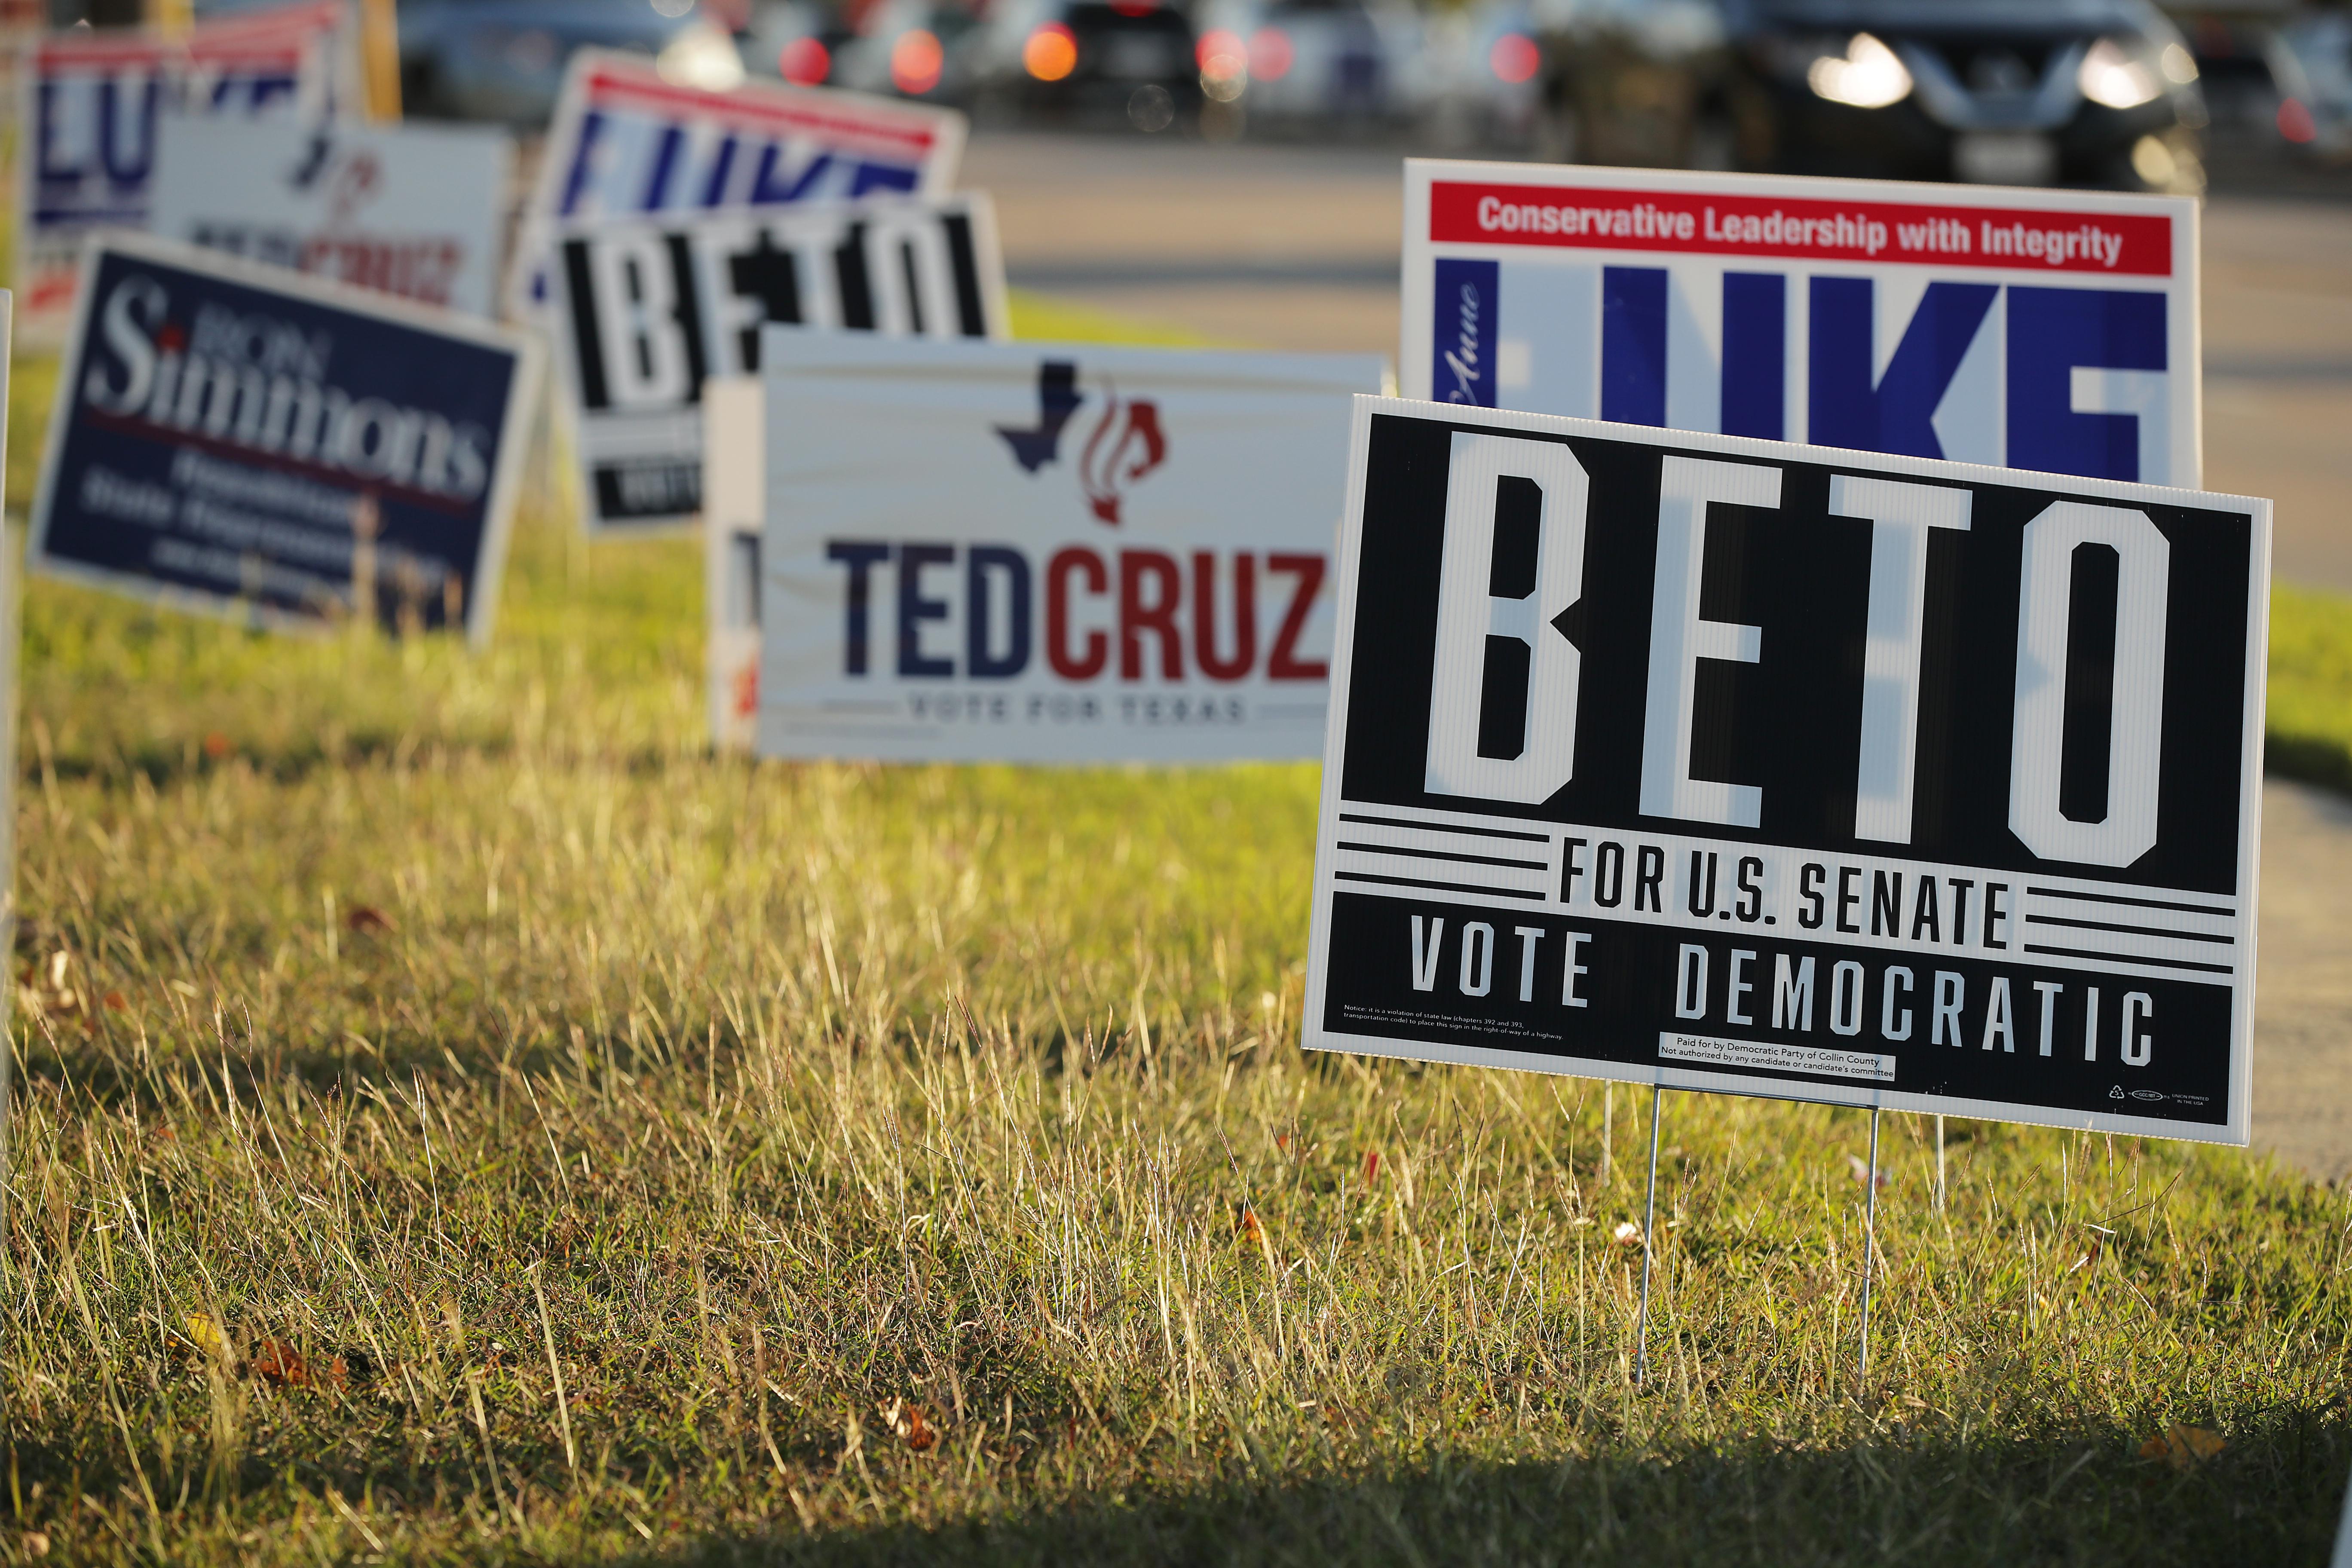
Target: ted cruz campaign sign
<point x="1042" y="552"/>
<point x="239" y="438"/>
<point x="92" y="106"/>
<point x="627" y="144"/>
<point x="1725" y="764"/>
<point x="646" y="311"/>
<point x="2046" y="329"/>
<point x="412" y="210"/>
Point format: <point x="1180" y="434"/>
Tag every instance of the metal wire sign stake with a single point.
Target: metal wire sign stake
<point x="1649" y="1227"/>
<point x="1869" y="1239"/>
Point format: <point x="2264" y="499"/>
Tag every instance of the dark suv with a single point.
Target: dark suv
<point x="2030" y="92"/>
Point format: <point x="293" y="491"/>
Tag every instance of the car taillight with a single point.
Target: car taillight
<point x="1051" y="53"/>
<point x="1222" y="55"/>
<point x="1135" y="7"/>
<point x="915" y="61"/>
<point x="2295" y="122"/>
<point x="804" y="61"/>
<point x="1270" y="53"/>
<point x="1514" y="59"/>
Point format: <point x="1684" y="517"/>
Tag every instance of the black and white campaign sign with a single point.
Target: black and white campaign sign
<point x="413" y="210"/>
<point x="1720" y="763"/>
<point x="628" y="144"/>
<point x="240" y="438"/>
<point x="1047" y="553"/>
<point x="2048" y="330"/>
<point x="646" y="313"/>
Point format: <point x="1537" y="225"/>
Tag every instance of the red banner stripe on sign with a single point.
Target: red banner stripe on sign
<point x="1875" y="231"/>
<point x="604" y="87"/>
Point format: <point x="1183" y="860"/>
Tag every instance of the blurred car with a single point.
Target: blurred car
<point x="1308" y="63"/>
<point x="2311" y="63"/>
<point x="504" y="59"/>
<point x="1479" y="78"/>
<point x="915" y="48"/>
<point x="2025" y="92"/>
<point x="1090" y="60"/>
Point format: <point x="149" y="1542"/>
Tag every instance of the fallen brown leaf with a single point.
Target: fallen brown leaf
<point x="367" y="920"/>
<point x="215" y="745"/>
<point x="1372" y="1165"/>
<point x="113" y="1000"/>
<point x="2182" y="1447"/>
<point x="1247" y="1225"/>
<point x="276" y="1362"/>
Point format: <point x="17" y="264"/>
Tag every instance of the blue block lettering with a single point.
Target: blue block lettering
<point x="980" y="622"/>
<point x="914" y="609"/>
<point x="1755" y="349"/>
<point x="1633" y="345"/>
<point x="2053" y="330"/>
<point x="860" y="556"/>
<point x="1897" y="414"/>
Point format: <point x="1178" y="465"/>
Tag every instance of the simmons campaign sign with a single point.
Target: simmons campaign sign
<point x="412" y="210"/>
<point x="240" y="438"/>
<point x="647" y="312"/>
<point x="1032" y="552"/>
<point x="1722" y="764"/>
<point x="627" y="144"/>
<point x="2046" y="329"/>
<point x="92" y="107"/>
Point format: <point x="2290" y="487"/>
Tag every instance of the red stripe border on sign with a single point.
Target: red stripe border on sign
<point x="605" y="87"/>
<point x="2011" y="238"/>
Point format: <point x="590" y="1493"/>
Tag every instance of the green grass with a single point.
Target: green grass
<point x="667" y="1128"/>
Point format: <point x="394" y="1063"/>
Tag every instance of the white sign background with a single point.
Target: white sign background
<point x="2047" y="329"/>
<point x="626" y="144"/>
<point x="1029" y="527"/>
<point x="415" y="211"/>
<point x="1555" y="640"/>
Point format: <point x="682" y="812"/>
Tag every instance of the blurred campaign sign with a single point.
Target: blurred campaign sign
<point x="2056" y="330"/>
<point x="647" y="312"/>
<point x="92" y="106"/>
<point x="734" y="495"/>
<point x="625" y="144"/>
<point x="238" y="438"/>
<point x="1720" y="763"/>
<point x="415" y="211"/>
<point x="1032" y="552"/>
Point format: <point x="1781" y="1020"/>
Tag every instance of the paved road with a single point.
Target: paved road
<point x="1296" y="248"/>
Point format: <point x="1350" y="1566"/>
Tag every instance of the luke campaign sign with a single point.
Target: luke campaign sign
<point x="412" y="210"/>
<point x="2046" y="329"/>
<point x="243" y="439"/>
<point x="625" y="144"/>
<point x="646" y="313"/>
<point x="1719" y="763"/>
<point x="1034" y="552"/>
<point x="92" y="106"/>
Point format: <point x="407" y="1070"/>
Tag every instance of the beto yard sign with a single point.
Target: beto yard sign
<point x="2047" y="329"/>
<point x="647" y="312"/>
<point x="1037" y="553"/>
<point x="1720" y="763"/>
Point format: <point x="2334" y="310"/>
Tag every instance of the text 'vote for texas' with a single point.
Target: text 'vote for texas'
<point x="1791" y="771"/>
